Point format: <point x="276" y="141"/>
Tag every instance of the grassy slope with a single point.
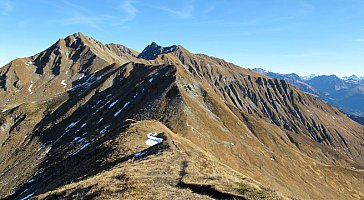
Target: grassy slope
<point x="171" y="173"/>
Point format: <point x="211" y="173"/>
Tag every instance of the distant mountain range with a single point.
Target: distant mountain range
<point x="347" y="93"/>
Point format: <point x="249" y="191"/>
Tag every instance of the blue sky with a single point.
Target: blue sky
<point x="301" y="36"/>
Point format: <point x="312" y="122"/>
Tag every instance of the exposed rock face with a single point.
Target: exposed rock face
<point x="152" y="51"/>
<point x="346" y="93"/>
<point x="79" y="112"/>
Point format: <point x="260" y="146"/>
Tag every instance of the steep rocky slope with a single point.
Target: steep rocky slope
<point x="347" y="93"/>
<point x="283" y="105"/>
<point x="231" y="131"/>
<point x="293" y="79"/>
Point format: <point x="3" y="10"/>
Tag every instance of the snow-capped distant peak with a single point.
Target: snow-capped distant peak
<point x="261" y="70"/>
<point x="352" y="77"/>
<point x="309" y="77"/>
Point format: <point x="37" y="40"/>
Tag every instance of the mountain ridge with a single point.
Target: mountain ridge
<point x="246" y="123"/>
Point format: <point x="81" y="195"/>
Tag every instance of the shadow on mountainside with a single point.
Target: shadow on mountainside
<point x="59" y="167"/>
<point x="201" y="189"/>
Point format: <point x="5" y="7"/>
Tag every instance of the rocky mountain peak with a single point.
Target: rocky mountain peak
<point x="154" y="44"/>
<point x="55" y="69"/>
<point x="72" y="41"/>
<point x="153" y="50"/>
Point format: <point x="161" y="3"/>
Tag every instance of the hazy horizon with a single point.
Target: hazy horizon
<point x="303" y="37"/>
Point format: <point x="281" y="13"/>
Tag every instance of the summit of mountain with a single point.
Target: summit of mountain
<point x="57" y="69"/>
<point x="223" y="131"/>
<point x="152" y="51"/>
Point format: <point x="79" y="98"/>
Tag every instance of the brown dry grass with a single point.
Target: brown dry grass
<point x="157" y="175"/>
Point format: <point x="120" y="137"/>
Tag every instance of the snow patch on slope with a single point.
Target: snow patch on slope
<point x="27" y="197"/>
<point x="112" y="104"/>
<point x="152" y="140"/>
<point x="136" y="155"/>
<point x="84" y="146"/>
<point x="30" y="87"/>
<point x="63" y="82"/>
<point x="118" y="112"/>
